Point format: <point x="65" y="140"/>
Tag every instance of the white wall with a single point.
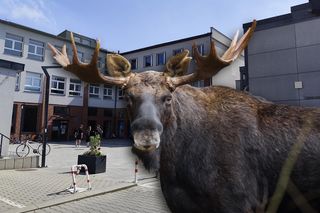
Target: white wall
<point x="226" y="77"/>
<point x="35" y="66"/>
<point x="7" y="86"/>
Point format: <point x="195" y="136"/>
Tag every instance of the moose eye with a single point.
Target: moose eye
<point x="167" y="99"/>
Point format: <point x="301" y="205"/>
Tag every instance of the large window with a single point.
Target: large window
<point x="75" y="87"/>
<point x="57" y="85"/>
<point x="29" y="119"/>
<point x="92" y="111"/>
<point x="61" y="110"/>
<point x="36" y="50"/>
<point x="200" y="48"/>
<point x="161" y="58"/>
<point x="81" y="56"/>
<point x="120" y="94"/>
<point x="99" y="63"/>
<point x="107" y="92"/>
<point x="134" y="63"/>
<point x="177" y="51"/>
<point x="33" y="82"/>
<point x="147" y="61"/>
<point x="13" y="45"/>
<point x="94" y="90"/>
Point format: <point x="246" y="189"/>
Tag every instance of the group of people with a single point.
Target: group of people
<point x="89" y="135"/>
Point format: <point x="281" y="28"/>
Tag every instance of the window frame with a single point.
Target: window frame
<point x="12" y="49"/>
<point x="74" y="92"/>
<point x="145" y="59"/>
<point x="58" y="82"/>
<point x="94" y="94"/>
<point x="106" y="90"/>
<point x="32" y="87"/>
<point x="200" y="48"/>
<point x="120" y="94"/>
<point x="136" y="63"/>
<point x="34" y="55"/>
<point x="164" y="58"/>
<point x="177" y="51"/>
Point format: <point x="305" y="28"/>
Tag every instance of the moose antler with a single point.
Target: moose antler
<point x="117" y="65"/>
<point x="208" y="66"/>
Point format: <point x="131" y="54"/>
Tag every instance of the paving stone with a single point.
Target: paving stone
<point x="35" y="186"/>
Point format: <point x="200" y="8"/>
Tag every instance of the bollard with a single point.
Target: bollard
<point x="75" y="170"/>
<point x="136" y="172"/>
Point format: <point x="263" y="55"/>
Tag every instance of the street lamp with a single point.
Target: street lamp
<point x="46" y="105"/>
<point x="21" y="120"/>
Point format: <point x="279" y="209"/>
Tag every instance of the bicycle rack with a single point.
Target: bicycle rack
<point x="75" y="170"/>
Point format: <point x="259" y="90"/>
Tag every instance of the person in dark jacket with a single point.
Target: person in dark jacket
<point x="78" y="135"/>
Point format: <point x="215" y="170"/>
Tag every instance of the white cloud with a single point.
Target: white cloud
<point x="31" y="10"/>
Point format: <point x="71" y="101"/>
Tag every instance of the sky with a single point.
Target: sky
<point x="124" y="25"/>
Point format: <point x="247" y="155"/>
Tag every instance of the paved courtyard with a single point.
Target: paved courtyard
<point x="115" y="190"/>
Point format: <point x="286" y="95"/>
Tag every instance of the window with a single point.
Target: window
<point x="92" y="111"/>
<point x="75" y="87"/>
<point x="11" y="65"/>
<point x="134" y="63"/>
<point x="57" y="85"/>
<point x="81" y="40"/>
<point x="94" y="90"/>
<point x="86" y="42"/>
<point x="147" y="61"/>
<point x="120" y="94"/>
<point x="81" y="56"/>
<point x="77" y="39"/>
<point x="198" y="83"/>
<point x="177" y="51"/>
<point x="18" y="76"/>
<point x="58" y="110"/>
<point x="200" y="49"/>
<point x="33" y="82"/>
<point x="36" y="50"/>
<point x="29" y="121"/>
<point x="99" y="62"/>
<point x="107" y="92"/>
<point x="161" y="58"/>
<point x="108" y="112"/>
<point x="13" y="45"/>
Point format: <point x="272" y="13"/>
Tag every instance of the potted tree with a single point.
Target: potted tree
<point x="94" y="159"/>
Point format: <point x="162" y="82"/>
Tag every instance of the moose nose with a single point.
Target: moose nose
<point x="146" y="146"/>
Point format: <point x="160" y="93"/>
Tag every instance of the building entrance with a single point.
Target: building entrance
<point x="59" y="130"/>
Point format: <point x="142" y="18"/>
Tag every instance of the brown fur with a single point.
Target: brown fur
<point x="222" y="150"/>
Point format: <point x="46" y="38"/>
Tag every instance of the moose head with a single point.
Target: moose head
<point x="150" y="94"/>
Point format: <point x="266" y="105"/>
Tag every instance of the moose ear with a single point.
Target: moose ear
<point x="118" y="66"/>
<point x="178" y="65"/>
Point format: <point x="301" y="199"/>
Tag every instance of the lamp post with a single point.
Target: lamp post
<point x="115" y="112"/>
<point x="21" y="120"/>
<point x="46" y="105"/>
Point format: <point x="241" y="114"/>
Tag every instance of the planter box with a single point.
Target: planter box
<point x="95" y="164"/>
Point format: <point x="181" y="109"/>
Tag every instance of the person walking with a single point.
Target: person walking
<point x="89" y="134"/>
<point x="99" y="133"/>
<point x="78" y="135"/>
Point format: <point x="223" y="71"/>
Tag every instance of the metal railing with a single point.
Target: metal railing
<point x="2" y="136"/>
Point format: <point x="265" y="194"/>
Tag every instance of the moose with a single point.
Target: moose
<point x="219" y="149"/>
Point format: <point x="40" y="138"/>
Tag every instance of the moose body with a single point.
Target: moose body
<point x="220" y="150"/>
<point x="225" y="150"/>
